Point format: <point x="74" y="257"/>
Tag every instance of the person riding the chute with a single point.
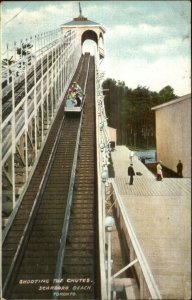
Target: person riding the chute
<point x="75" y="95"/>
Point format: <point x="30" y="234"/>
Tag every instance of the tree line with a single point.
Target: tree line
<point x="23" y="52"/>
<point x="129" y="111"/>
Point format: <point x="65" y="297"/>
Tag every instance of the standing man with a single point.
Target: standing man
<point x="179" y="169"/>
<point x="131" y="173"/>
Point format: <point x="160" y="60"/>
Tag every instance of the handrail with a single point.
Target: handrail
<point x="30" y="71"/>
<point x="37" y="62"/>
<point x="101" y="200"/>
<point x="19" y="201"/>
<point x="35" y="206"/>
<point x="36" y="54"/>
<point x="150" y="281"/>
<point x="10" y="116"/>
<point x="61" y="252"/>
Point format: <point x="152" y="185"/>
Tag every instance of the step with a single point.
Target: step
<point x="129" y="285"/>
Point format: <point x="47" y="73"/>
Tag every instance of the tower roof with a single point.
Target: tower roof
<point x="81" y="21"/>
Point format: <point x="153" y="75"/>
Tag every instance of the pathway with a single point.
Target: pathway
<point x="160" y="213"/>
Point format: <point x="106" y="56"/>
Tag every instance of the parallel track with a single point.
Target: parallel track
<point x="19" y="89"/>
<point x="39" y="248"/>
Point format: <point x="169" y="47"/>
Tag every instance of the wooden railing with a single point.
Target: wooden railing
<point x="147" y="286"/>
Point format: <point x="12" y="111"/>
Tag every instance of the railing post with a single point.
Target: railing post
<point x="42" y="107"/>
<point x="26" y="122"/>
<point x="35" y="106"/>
<point x="13" y="129"/>
<point x="141" y="282"/>
<point x="148" y="287"/>
<point x="63" y="58"/>
<point x="109" y="267"/>
<point x="48" y="88"/>
<point x="7" y="63"/>
<point x="52" y="85"/>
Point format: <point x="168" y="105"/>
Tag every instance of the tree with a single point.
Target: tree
<point x="23" y="51"/>
<point x="167" y="94"/>
<point x="6" y="63"/>
<point x="129" y="111"/>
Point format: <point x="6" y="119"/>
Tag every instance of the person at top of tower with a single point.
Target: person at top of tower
<point x="80" y="10"/>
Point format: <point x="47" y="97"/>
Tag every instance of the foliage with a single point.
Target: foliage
<point x="6" y="63"/>
<point x="129" y="111"/>
<point x="24" y="52"/>
<point x="24" y="49"/>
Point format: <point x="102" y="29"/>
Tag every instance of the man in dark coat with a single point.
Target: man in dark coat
<point x="179" y="169"/>
<point x="131" y="173"/>
<point x="77" y="98"/>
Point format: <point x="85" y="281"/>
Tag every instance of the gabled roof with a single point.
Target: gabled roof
<point x="183" y="98"/>
<point x="81" y="22"/>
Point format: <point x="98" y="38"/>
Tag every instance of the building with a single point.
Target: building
<point x="112" y="136"/>
<point x="173" y="133"/>
<point x="86" y="29"/>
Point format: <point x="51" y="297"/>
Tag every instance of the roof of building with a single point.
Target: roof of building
<point x="111" y="128"/>
<point x="80" y="21"/>
<point x="185" y="97"/>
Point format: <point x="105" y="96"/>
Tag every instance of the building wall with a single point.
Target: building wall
<point x="81" y="29"/>
<point x="173" y="135"/>
<point x="112" y="135"/>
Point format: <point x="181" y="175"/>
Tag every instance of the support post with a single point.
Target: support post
<point x="109" y="267"/>
<point x="109" y="222"/>
<point x="26" y="123"/>
<point x="52" y="86"/>
<point x="35" y="104"/>
<point x="42" y="108"/>
<point x="13" y="129"/>
<point x="7" y="63"/>
<point x="47" y="97"/>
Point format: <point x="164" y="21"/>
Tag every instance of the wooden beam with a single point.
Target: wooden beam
<point x="7" y="176"/>
<point x="20" y="155"/>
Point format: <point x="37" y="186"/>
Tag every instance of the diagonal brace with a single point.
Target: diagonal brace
<point x="125" y="268"/>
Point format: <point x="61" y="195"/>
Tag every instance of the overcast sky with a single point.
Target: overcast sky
<point x="147" y="43"/>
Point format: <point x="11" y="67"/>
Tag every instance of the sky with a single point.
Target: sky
<point x="147" y="43"/>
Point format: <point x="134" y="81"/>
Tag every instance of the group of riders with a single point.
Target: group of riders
<point x="75" y="94"/>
